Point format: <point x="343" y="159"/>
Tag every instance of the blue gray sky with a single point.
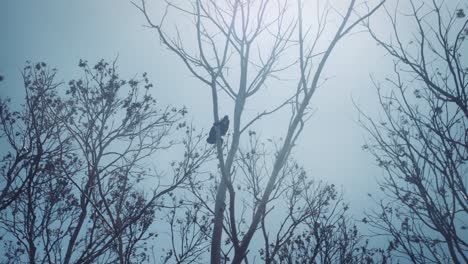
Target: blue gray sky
<point x="62" y="32"/>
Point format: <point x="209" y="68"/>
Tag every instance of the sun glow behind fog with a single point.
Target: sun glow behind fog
<point x="325" y="151"/>
<point x="262" y="23"/>
<point x="323" y="144"/>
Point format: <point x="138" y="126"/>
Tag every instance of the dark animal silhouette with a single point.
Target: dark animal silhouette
<point x="220" y="127"/>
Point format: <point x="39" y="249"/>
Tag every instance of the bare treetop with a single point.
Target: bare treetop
<point x="238" y="47"/>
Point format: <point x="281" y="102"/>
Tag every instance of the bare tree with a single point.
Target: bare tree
<point x="189" y="232"/>
<point x="421" y="139"/>
<point x="313" y="222"/>
<point x="332" y="239"/>
<point x="35" y="198"/>
<point x="305" y="221"/>
<point x="228" y="35"/>
<point x="80" y="185"/>
<point x="25" y="134"/>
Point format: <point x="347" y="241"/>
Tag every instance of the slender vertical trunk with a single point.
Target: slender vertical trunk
<point x="84" y="206"/>
<point x="31" y="219"/>
<point x="220" y="205"/>
<point x="74" y="237"/>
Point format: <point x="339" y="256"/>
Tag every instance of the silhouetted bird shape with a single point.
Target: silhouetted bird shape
<point x="220" y="127"/>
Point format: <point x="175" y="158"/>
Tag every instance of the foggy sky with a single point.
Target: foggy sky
<point x="62" y="32"/>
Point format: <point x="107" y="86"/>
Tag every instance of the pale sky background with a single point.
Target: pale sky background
<point x="61" y="32"/>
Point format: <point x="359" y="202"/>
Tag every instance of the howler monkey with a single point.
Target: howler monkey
<point x="220" y="127"/>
